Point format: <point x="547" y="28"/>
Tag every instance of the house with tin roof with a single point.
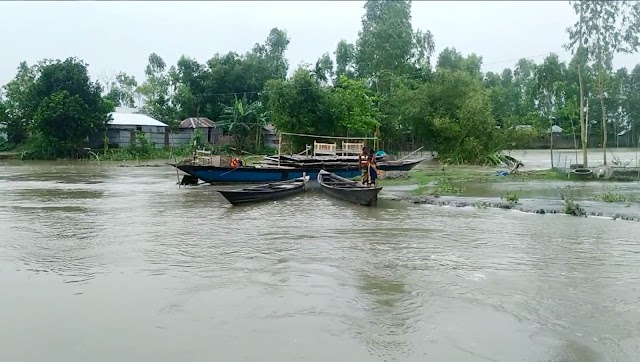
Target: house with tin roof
<point x="269" y="135"/>
<point x="187" y="129"/>
<point x="122" y="128"/>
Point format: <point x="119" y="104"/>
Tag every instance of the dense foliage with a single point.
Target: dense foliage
<point x="383" y="84"/>
<point x="55" y="106"/>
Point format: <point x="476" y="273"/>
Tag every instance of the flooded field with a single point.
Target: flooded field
<point x="106" y="263"/>
<point x="541" y="159"/>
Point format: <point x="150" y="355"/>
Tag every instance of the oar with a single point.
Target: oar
<point x="229" y="171"/>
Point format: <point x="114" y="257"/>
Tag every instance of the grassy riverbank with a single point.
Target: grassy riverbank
<point x="474" y="181"/>
<point x="431" y="175"/>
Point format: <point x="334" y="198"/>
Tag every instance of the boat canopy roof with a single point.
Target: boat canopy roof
<point x="330" y="137"/>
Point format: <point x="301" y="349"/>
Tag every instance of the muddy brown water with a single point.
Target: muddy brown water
<point x="103" y="263"/>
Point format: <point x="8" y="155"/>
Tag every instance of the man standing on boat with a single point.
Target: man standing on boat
<point x="364" y="165"/>
<point x="372" y="169"/>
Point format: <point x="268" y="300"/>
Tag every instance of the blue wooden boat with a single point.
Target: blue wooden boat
<point x="302" y="161"/>
<point x="250" y="174"/>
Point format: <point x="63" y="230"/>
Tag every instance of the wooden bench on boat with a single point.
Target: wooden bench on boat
<point x="351" y="148"/>
<point x="324" y="148"/>
<point x="205" y="158"/>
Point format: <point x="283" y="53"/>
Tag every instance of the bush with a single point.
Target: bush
<point x="5" y="146"/>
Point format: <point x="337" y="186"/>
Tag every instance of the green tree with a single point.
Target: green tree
<point x="345" y="59"/>
<point x="69" y="108"/>
<point x="453" y="114"/>
<point x="3" y="121"/>
<point x="240" y="118"/>
<point x="193" y="81"/>
<point x="122" y="91"/>
<point x="355" y="107"/>
<point x="525" y="87"/>
<point x="207" y="89"/>
<point x="604" y="29"/>
<point x="276" y="45"/>
<point x="423" y="47"/>
<point x="19" y="103"/>
<point x="387" y="46"/>
<point x="451" y="59"/>
<point x="550" y="85"/>
<point x="385" y="42"/>
<point x="301" y="105"/>
<point x="632" y="103"/>
<point x="158" y="92"/>
<point x="323" y="69"/>
<point x="615" y="102"/>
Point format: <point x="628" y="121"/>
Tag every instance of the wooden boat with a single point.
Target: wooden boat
<point x="251" y="174"/>
<point x="272" y="191"/>
<point x="347" y="190"/>
<point x="339" y="162"/>
<point x="403" y="165"/>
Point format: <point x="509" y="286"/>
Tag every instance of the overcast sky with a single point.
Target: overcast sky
<point x="114" y="36"/>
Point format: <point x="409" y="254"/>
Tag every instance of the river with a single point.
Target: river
<point x="106" y="263"/>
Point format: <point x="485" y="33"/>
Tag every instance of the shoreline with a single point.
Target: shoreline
<point x="629" y="211"/>
<point x="530" y="206"/>
<point x="528" y="191"/>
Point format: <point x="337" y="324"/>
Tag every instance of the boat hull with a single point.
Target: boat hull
<point x="399" y="166"/>
<point x="366" y="196"/>
<point x="361" y="197"/>
<point x="214" y="174"/>
<point x="245" y="196"/>
<point x="338" y="162"/>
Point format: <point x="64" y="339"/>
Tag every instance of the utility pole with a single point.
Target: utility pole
<point x="551" y="139"/>
<point x="586" y="125"/>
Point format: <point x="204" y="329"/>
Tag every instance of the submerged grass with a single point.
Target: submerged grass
<point x="152" y="154"/>
<point x="448" y="180"/>
<point x="128" y="154"/>
<point x="611" y="197"/>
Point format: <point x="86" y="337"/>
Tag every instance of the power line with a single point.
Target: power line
<point x="529" y="57"/>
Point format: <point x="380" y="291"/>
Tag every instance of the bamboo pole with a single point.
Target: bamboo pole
<point x="328" y="137"/>
<point x="412" y="153"/>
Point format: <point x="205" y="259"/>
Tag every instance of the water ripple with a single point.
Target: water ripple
<point x="388" y="283"/>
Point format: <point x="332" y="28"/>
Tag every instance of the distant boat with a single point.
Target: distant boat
<point x="347" y="190"/>
<point x="403" y="165"/>
<point x="268" y="192"/>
